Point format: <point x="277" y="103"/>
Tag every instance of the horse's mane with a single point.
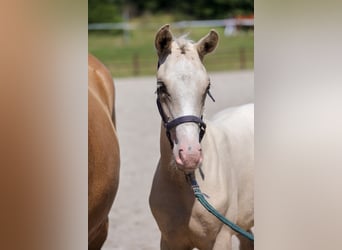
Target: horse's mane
<point x="183" y="42"/>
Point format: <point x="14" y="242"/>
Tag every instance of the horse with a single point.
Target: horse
<point x="103" y="151"/>
<point x="218" y="152"/>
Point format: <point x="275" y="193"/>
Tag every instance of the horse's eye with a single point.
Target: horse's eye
<point x="161" y="88"/>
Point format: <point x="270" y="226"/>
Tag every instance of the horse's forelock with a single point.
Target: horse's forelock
<point x="183" y="42"/>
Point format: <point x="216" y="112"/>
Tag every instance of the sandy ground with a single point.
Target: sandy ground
<point x="138" y="123"/>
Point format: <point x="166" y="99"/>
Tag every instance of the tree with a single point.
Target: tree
<point x="102" y="11"/>
<point x="110" y="10"/>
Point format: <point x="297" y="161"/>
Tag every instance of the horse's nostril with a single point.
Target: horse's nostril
<point x="180" y="153"/>
<point x="180" y="157"/>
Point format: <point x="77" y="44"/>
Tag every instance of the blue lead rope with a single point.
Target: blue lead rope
<point x="200" y="197"/>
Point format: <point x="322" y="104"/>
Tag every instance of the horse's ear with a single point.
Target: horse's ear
<point x="163" y="40"/>
<point x="207" y="44"/>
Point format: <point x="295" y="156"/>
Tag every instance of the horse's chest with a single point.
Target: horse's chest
<point x="202" y="224"/>
<point x="191" y="224"/>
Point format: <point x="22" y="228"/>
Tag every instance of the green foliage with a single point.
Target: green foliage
<point x="216" y="9"/>
<point x="103" y="11"/>
<point x="111" y="10"/>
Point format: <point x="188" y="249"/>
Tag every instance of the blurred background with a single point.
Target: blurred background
<point x="121" y="32"/>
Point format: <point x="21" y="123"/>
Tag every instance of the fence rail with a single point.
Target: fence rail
<point x="248" y="22"/>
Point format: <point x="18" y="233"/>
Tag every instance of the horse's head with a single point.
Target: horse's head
<point x="182" y="86"/>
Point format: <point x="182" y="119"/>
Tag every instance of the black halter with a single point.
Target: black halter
<point x="179" y="120"/>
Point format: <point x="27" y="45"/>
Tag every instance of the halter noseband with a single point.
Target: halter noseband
<point x="180" y="120"/>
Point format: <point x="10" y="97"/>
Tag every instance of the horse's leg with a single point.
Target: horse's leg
<point x="100" y="238"/>
<point x="175" y="244"/>
<point x="223" y="240"/>
<point x="246" y="244"/>
<point x="163" y="244"/>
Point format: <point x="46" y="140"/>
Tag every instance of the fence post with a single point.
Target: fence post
<point x="136" y="64"/>
<point x="242" y="58"/>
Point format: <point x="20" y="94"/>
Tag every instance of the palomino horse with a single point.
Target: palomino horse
<point x="221" y="158"/>
<point x="103" y="151"/>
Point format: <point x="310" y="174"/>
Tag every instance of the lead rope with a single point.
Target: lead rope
<point x="200" y="197"/>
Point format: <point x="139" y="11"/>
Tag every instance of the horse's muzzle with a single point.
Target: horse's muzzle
<point x="188" y="158"/>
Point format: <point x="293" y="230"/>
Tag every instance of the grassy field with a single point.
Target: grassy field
<point x="134" y="54"/>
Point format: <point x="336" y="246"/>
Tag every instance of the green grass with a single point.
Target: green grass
<point x="136" y="55"/>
